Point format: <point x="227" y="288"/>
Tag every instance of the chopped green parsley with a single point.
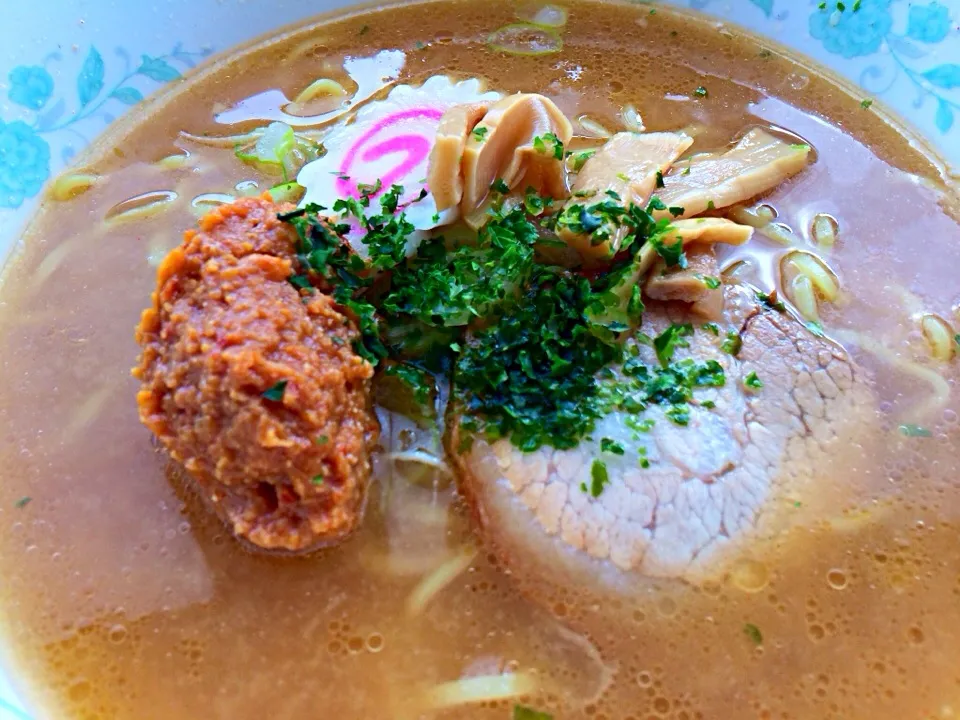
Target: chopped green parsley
<point x="752" y="381"/>
<point x="275" y="392"/>
<point x="524" y="713"/>
<point x="611" y="446"/>
<point x="771" y="301"/>
<point x="866" y="103"/>
<point x="709" y="281"/>
<point x="480" y="133"/>
<point x="666" y="342"/>
<point x="599" y="478"/>
<point x="732" y="343"/>
<point x="711" y="328"/>
<point x="701" y="91"/>
<point x="753" y="633"/>
<point x="301" y="282"/>
<point x="680" y="414"/>
<point x="548" y="143"/>
<point x="23" y="502"/>
<point x="672" y="255"/>
<point x="578" y="159"/>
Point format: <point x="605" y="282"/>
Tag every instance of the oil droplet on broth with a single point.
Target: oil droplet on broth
<point x="117" y="634"/>
<point x="837" y="579"/>
<point x="751" y="576"/>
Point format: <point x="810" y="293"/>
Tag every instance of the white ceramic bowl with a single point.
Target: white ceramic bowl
<point x="68" y="68"/>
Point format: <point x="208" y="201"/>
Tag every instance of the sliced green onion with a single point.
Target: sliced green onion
<point x="277" y="141"/>
<point x="526" y="39"/>
<point x="290" y="192"/>
<point x="278" y="147"/>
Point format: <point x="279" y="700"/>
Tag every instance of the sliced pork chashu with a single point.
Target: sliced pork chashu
<point x="723" y="486"/>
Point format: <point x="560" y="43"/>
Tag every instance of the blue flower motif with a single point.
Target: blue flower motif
<point x="24" y="163"/>
<point x="30" y="86"/>
<point x="852" y="34"/>
<point x="928" y="23"/>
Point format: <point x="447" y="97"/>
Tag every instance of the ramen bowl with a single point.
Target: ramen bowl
<point x="70" y="70"/>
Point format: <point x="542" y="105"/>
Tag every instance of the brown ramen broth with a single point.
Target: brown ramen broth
<point x="123" y="598"/>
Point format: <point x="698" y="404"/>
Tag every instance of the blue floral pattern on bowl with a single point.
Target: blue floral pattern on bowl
<point x="871" y="28"/>
<point x="25" y="156"/>
<point x="54" y="102"/>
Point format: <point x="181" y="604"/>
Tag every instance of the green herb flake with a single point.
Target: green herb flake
<point x="866" y="103"/>
<point x="771" y="301"/>
<point x="708" y="404"/>
<point x="480" y="133"/>
<point x="599" y="478"/>
<point x="672" y="255"/>
<point x="679" y="414"/>
<point x="732" y="343"/>
<point x="623" y="177"/>
<point x="500" y="186"/>
<point x="857" y="5"/>
<point x="711" y="205"/>
<point x="364" y="30"/>
<point x="752" y="381"/>
<point x="709" y="281"/>
<point x="419" y="45"/>
<point x="701" y="91"/>
<point x="765" y="54"/>
<point x="687" y="170"/>
<point x="578" y="159"/>
<point x="609" y="445"/>
<point x="841" y="7"/>
<point x="956" y="339"/>
<point x="301" y="282"/>
<point x="911" y="430"/>
<point x="816" y="328"/>
<point x="322" y="440"/>
<point x="275" y="392"/>
<point x="317" y="480"/>
<point x="643" y="462"/>
<point x="711" y="328"/>
<point x="659" y="179"/>
<point x="435" y="218"/>
<point x="753" y="633"/>
<point x="23" y="502"/>
<point x="666" y="342"/>
<point x="521" y="712"/>
<point x="822" y="5"/>
<point x="549" y="142"/>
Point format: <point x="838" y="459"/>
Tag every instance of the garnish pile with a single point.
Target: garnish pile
<point x="536" y="351"/>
